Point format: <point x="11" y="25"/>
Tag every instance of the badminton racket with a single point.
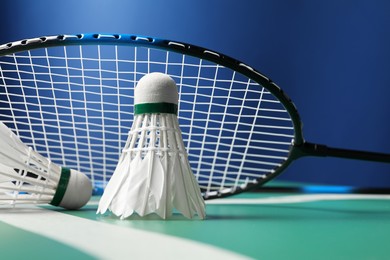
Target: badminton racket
<point x="70" y="97"/>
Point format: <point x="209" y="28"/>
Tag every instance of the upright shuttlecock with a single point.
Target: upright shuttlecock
<point x="26" y="177"/>
<point x="153" y="174"/>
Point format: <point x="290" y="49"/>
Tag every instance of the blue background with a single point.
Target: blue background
<point x="331" y="57"/>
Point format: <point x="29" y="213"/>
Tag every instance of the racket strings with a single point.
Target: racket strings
<point x="74" y="105"/>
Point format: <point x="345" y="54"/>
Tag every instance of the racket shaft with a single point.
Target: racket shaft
<point x="310" y="149"/>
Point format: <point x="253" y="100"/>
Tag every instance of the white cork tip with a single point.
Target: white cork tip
<point x="78" y="192"/>
<point x="156" y="87"/>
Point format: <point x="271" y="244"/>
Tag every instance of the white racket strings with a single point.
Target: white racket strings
<point x="74" y="105"/>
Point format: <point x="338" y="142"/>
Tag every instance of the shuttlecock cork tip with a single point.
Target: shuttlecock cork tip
<point x="78" y="191"/>
<point x="156" y="87"/>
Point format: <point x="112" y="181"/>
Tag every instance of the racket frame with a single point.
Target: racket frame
<point x="299" y="147"/>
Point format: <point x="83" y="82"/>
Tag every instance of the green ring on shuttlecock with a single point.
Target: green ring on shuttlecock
<point x="155" y="108"/>
<point x="61" y="188"/>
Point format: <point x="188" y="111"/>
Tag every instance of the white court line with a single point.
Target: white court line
<point x="108" y="241"/>
<point x="298" y="199"/>
<point x="289" y="199"/>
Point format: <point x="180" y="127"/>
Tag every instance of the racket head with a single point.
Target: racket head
<point x="70" y="97"/>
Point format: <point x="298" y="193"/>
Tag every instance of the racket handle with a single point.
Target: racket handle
<point x="313" y="189"/>
<point x="310" y="149"/>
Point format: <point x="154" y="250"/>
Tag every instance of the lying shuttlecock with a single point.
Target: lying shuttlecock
<point x="153" y="174"/>
<point x="26" y="177"/>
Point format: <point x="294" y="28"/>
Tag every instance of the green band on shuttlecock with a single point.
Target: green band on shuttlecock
<point x="61" y="188"/>
<point x="151" y="108"/>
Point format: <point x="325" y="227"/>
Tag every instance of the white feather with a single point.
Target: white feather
<point x="145" y="189"/>
<point x="118" y="205"/>
<point x="115" y="184"/>
<point x="186" y="193"/>
<point x="114" y="189"/>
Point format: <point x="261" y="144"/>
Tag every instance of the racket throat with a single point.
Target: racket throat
<point x="309" y="149"/>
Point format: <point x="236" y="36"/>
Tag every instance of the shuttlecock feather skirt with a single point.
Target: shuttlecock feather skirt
<point x="153" y="174"/>
<point x="26" y="176"/>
